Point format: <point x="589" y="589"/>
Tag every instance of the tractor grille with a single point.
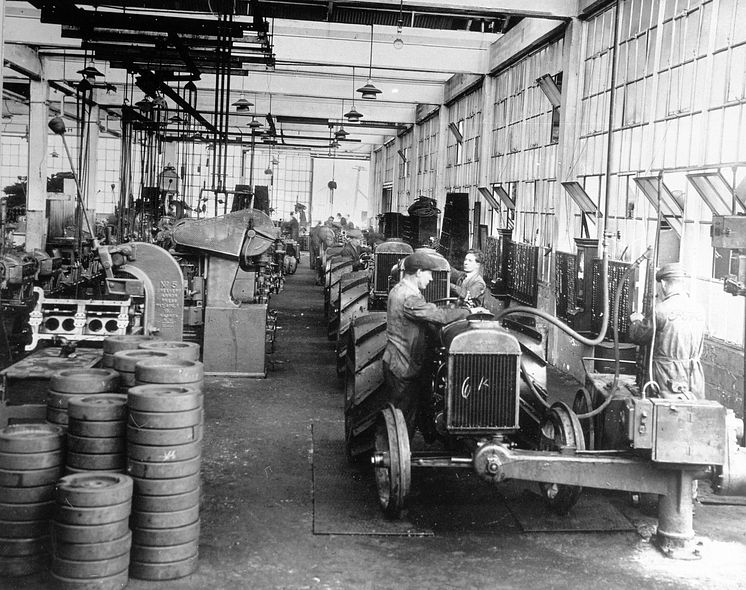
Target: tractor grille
<point x="483" y="392"/>
<point x="438" y="287"/>
<point x="384" y="262"/>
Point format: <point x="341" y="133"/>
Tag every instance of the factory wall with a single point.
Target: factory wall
<point x="653" y="101"/>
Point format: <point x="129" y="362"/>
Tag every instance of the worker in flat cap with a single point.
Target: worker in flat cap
<point x="353" y="247"/>
<point x="408" y="316"/>
<point x="677" y="333"/>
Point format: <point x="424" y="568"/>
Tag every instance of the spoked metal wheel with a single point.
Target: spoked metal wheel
<point x="583" y="404"/>
<point x="391" y="461"/>
<point x="561" y="428"/>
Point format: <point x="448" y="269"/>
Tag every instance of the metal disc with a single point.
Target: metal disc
<point x="26" y="512"/>
<point x="57" y="416"/>
<point x="69" y="533"/>
<point x="125" y="360"/>
<point x="28" y="529"/>
<point x="165" y="554"/>
<point x="94" y="489"/>
<point x="163" y="454"/>
<point x="107" y="361"/>
<point x="165" y="537"/>
<point x="85" y="381"/>
<point x="26" y="495"/>
<point x="31" y="438"/>
<point x="97" y="429"/>
<point x="84" y="444"/>
<point x="114" y="344"/>
<point x="164" y="520"/>
<point x="166" y="487"/>
<point x="20" y="547"/>
<point x="113" y="582"/>
<point x="164" y="398"/>
<point x="165" y="420"/>
<point x="90" y="516"/>
<point x="98" y="408"/>
<point x="59" y="400"/>
<point x="184" y="350"/>
<point x="94" y="551"/>
<point x="31" y="461"/>
<point x="198" y="386"/>
<point x="169" y="371"/>
<point x="173" y="470"/>
<point x="97" y="461"/>
<point x="165" y="503"/>
<point x="127" y="380"/>
<point x="393" y="476"/>
<point x="164" y="571"/>
<point x="30" y="479"/>
<point x="23" y="566"/>
<point x="561" y="428"/>
<point x="164" y="437"/>
<point x="85" y="570"/>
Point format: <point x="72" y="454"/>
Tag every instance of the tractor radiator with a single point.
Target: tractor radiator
<point x="483" y="391"/>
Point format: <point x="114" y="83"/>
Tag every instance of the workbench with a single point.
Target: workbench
<point x="24" y="385"/>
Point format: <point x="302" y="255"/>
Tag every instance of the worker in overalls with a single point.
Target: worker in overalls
<point x="679" y="329"/>
<point x="407" y="319"/>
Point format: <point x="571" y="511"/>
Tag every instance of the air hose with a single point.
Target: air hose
<point x="604" y="323"/>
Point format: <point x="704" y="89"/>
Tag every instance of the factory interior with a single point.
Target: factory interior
<point x="210" y="210"/>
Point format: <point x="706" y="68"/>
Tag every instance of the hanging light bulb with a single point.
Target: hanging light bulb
<point x="398" y="42"/>
<point x="242" y="104"/>
<point x="90" y="71"/>
<point x="353" y="116"/>
<point x="340" y="133"/>
<point x="369" y="92"/>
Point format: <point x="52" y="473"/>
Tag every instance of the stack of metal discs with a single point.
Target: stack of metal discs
<point x="31" y="461"/>
<point x="188" y="351"/>
<point x="125" y="361"/>
<point x="114" y="344"/>
<point x="90" y="533"/>
<point x="96" y="439"/>
<point x="69" y="383"/>
<point x="164" y="451"/>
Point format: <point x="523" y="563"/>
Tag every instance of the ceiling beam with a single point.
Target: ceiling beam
<point x="23" y="60"/>
<point x="558" y="9"/>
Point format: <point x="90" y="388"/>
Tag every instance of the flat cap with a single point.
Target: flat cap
<point x="419" y="261"/>
<point x="355" y="233"/>
<point x="671" y="270"/>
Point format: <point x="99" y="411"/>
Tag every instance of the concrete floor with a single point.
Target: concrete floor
<point x="259" y="507"/>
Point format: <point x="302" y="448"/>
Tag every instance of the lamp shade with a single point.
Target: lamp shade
<point x="369" y="92"/>
<point x="242" y="104"/>
<point x="353" y="116"/>
<point x="90" y="72"/>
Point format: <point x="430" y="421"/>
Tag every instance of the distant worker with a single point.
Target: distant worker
<point x="353" y="248"/>
<point x="293" y="226"/>
<point x="327" y="239"/>
<point x="407" y="319"/>
<point x="314" y="244"/>
<point x="469" y="285"/>
<point x="679" y="329"/>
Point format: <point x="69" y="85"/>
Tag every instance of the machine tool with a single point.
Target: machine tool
<point x="241" y="273"/>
